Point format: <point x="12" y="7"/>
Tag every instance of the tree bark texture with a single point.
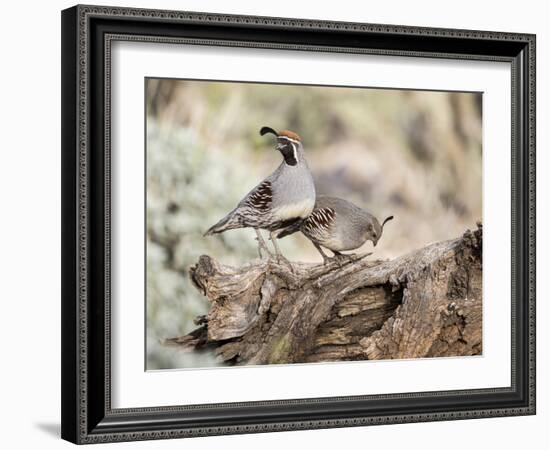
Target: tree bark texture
<point x="427" y="303"/>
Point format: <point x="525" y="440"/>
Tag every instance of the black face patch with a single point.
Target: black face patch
<point x="287" y="148"/>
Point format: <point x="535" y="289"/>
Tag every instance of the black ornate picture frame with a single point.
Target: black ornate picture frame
<point x="87" y="35"/>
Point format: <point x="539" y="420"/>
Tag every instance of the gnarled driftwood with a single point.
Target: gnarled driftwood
<point x="424" y="304"/>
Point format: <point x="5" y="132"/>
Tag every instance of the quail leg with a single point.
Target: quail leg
<point x="343" y="255"/>
<point x="261" y="244"/>
<point x="326" y="258"/>
<point x="343" y="258"/>
<point x="278" y="255"/>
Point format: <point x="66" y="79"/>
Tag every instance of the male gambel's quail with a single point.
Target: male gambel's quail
<point x="284" y="198"/>
<point x="339" y="225"/>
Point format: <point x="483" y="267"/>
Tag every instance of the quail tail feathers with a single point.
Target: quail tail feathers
<point x="229" y="222"/>
<point x="291" y="229"/>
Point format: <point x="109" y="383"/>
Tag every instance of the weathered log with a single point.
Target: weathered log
<point x="424" y="304"/>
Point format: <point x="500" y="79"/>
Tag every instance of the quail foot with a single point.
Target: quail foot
<point x="279" y="202"/>
<point x="338" y="225"/>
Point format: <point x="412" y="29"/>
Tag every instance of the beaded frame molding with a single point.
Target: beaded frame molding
<point x="87" y="35"/>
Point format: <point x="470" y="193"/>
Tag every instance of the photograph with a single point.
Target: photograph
<point x="294" y="223"/>
<point x="274" y="222"/>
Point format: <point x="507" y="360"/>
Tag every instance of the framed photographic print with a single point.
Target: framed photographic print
<point x="280" y="224"/>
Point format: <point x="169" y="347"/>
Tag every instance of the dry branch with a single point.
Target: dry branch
<point x="424" y="304"/>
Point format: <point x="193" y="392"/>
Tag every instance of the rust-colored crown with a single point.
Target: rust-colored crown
<point x="290" y="134"/>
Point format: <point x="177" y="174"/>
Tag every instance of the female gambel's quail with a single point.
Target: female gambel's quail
<point x="284" y="198"/>
<point x="339" y="225"/>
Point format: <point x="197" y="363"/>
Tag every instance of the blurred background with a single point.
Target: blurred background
<point x="414" y="154"/>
